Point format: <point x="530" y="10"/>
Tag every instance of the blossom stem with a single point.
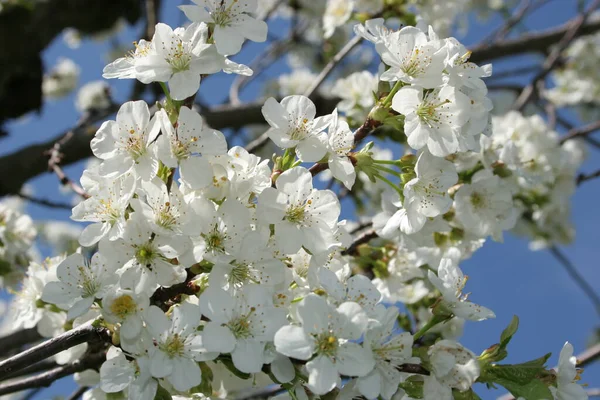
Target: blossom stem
<point x="433" y="322"/>
<point x="391" y="184"/>
<point x="388" y="99"/>
<point x="167" y="93"/>
<point x="388" y="170"/>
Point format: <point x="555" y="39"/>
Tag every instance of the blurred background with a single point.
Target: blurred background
<point x="51" y="58"/>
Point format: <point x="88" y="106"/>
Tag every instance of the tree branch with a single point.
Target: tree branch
<point x="47" y="378"/>
<point x="82" y="334"/>
<point x="15" y="340"/>
<point x="529" y="43"/>
<point x="355" y="41"/>
<point x="581" y="131"/>
<point x="362" y="239"/>
<point x="552" y="60"/>
<point x="27" y="162"/>
<point x="587" y="289"/>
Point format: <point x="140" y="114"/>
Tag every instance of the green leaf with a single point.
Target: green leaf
<point x="509" y="332"/>
<point x="520" y="374"/>
<point x="412" y="388"/>
<point x="162" y="394"/>
<point x="534" y="390"/>
<point x="468" y="395"/>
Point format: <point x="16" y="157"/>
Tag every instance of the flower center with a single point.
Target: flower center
<point x="214" y="240"/>
<point x="327" y="344"/>
<point x="173" y="346"/>
<point x="240" y="327"/>
<point x="478" y="201"/>
<point x="145" y="254"/>
<point x="89" y="285"/>
<point x="222" y="16"/>
<point x="179" y="57"/>
<point x="428" y="113"/>
<point x="180" y="150"/>
<point x="240" y="274"/>
<point x="300" y="131"/>
<point x="123" y="306"/>
<point x="165" y="218"/>
<point x="414" y="66"/>
<point x="295" y="214"/>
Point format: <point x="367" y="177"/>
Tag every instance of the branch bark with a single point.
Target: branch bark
<point x="529" y="43"/>
<point x="85" y="333"/>
<point x="28" y="162"/>
<point x="47" y="378"/>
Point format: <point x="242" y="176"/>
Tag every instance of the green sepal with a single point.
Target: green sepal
<point x="413" y="388"/>
<point x="229" y="365"/>
<point x="468" y="395"/>
<point x="162" y="394"/>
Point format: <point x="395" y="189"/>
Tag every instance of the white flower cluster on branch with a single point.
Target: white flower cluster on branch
<point x="203" y="258"/>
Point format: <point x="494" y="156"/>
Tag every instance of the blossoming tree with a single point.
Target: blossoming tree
<point x="204" y="270"/>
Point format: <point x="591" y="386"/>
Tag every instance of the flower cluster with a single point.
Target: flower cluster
<point x="205" y="257"/>
<point x="17" y="234"/>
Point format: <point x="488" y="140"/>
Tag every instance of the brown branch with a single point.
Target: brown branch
<point x="537" y="42"/>
<point x="15" y="340"/>
<point x="41" y="366"/>
<point x="82" y="334"/>
<point x="582" y="131"/>
<point x="344" y="51"/>
<point x="362" y="132"/>
<point x="552" y="60"/>
<point x="78" y="393"/>
<point x="362" y="239"/>
<point x="53" y="164"/>
<point x="47" y="378"/>
<point x="587" y="177"/>
<point x="27" y="162"/>
<point x="45" y="202"/>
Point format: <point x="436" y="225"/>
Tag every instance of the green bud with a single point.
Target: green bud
<point x="379" y="114"/>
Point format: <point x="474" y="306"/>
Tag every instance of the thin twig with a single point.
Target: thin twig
<point x="82" y="334"/>
<point x="262" y="61"/>
<point x="78" y="393"/>
<point x="362" y="239"/>
<point x="511" y="22"/>
<point x="53" y="165"/>
<point x="552" y="60"/>
<point x="45" y="202"/>
<point x="362" y="132"/>
<point x="587" y="177"/>
<point x="587" y="289"/>
<point x="31" y="394"/>
<point x="344" y="51"/>
<point x="582" y="131"/>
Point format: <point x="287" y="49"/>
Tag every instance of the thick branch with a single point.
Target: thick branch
<point x="47" y="378"/>
<point x="529" y="43"/>
<point x="85" y="333"/>
<point x="28" y="162"/>
<point x="17" y="339"/>
<point x="574" y="27"/>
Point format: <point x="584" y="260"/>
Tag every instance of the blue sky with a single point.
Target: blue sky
<point x="506" y="277"/>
